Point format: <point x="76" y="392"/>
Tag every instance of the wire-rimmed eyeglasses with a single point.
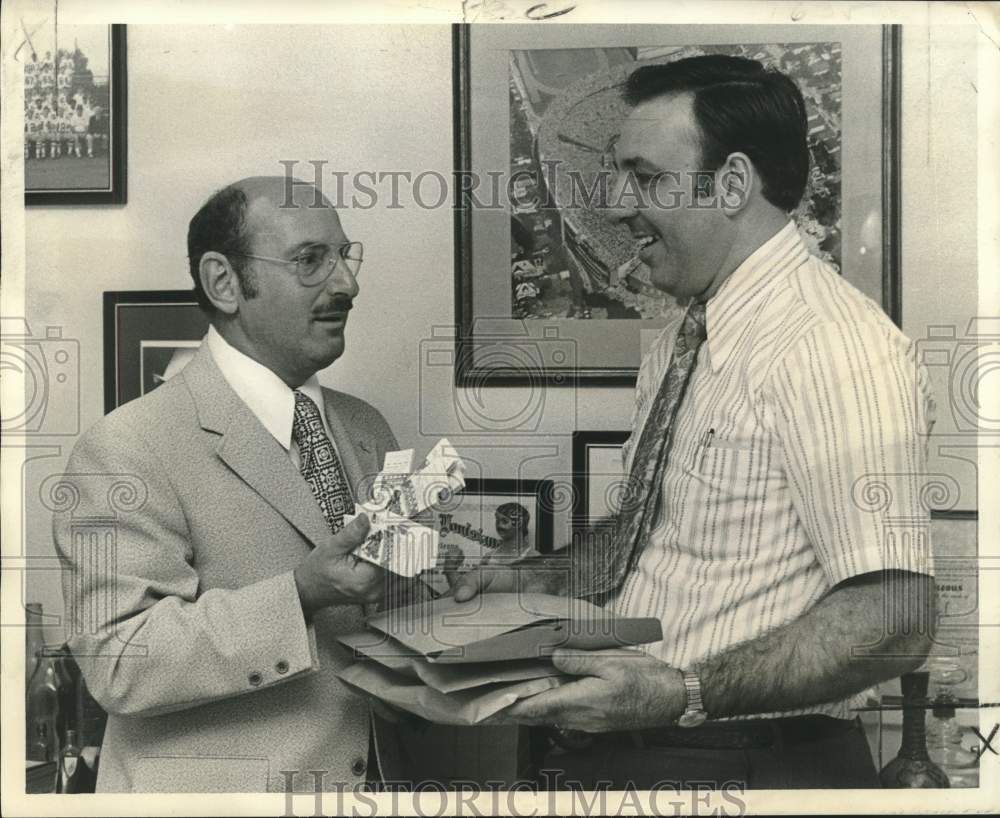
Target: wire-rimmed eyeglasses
<point x="315" y="264"/>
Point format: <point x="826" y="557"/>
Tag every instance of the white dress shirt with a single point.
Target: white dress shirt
<point x="268" y="397"/>
<point x="804" y="392"/>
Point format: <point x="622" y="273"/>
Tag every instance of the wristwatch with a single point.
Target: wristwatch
<point x="695" y="713"/>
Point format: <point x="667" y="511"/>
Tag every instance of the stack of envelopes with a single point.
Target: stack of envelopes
<point x="461" y="662"/>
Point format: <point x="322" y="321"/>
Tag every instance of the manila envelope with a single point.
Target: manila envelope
<point x="464" y="707"/>
<point x="502" y="627"/>
<point x="445" y="678"/>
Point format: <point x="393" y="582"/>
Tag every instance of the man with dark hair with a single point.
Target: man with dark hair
<point x="210" y="637"/>
<point x="763" y="416"/>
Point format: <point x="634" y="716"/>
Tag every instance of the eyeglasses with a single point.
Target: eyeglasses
<point x="316" y="263"/>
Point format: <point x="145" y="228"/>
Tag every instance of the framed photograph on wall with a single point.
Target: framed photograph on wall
<point x="598" y="475"/>
<point x="546" y="286"/>
<point x="492" y="521"/>
<point x="955" y="543"/>
<point x="74" y="113"/>
<point x="149" y="335"/>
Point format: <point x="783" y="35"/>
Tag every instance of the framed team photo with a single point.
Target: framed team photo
<point x="74" y="113"/>
<point x="491" y="521"/>
<point x="149" y="336"/>
<point x="547" y="287"/>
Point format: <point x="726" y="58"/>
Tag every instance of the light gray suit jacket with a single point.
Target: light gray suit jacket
<point x="184" y="521"/>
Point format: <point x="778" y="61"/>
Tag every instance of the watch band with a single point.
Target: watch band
<point x="695" y="713"/>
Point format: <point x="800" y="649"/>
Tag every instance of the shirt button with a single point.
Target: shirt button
<point x="255" y="678"/>
<point x="281" y="666"/>
<point x="359" y="766"/>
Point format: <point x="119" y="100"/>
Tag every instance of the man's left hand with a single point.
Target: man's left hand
<point x="618" y="690"/>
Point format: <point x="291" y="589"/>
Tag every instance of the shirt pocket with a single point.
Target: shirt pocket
<point x="735" y="471"/>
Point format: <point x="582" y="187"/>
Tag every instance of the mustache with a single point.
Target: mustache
<point x="339" y="303"/>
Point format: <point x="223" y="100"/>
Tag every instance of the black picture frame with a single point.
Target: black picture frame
<point x="137" y="322"/>
<point x="541" y="490"/>
<point x="116" y="190"/>
<point x="584" y="445"/>
<point x="468" y="524"/>
<point x="497" y="351"/>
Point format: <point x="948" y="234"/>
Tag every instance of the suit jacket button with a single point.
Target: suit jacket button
<point x="281" y="666"/>
<point x="359" y="766"/>
<point x="255" y="678"/>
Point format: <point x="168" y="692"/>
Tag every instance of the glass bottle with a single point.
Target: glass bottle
<point x="68" y="718"/>
<point x="42" y="710"/>
<point x="92" y="718"/>
<point x="33" y="639"/>
<point x="912" y="768"/>
<point x="944" y="733"/>
<point x="74" y="775"/>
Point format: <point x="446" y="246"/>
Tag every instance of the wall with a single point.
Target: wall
<point x="939" y="248"/>
<point x="210" y="104"/>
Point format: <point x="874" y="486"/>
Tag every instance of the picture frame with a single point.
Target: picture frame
<point x="75" y="115"/>
<point x="148" y="335"/>
<point x="598" y="474"/>
<point x="514" y="88"/>
<point x="954" y="535"/>
<point x="469" y="524"/>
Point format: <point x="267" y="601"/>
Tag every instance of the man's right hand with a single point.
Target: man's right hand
<point x="331" y="575"/>
<point x="485" y="580"/>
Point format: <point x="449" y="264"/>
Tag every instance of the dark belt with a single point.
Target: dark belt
<point x="720" y="735"/>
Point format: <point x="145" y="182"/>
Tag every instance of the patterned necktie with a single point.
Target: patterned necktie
<point x="639" y="504"/>
<point x="319" y="463"/>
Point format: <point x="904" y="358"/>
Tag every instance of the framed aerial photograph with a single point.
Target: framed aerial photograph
<point x="149" y="335"/>
<point x="74" y="113"/>
<point x="492" y="520"/>
<point x="547" y="288"/>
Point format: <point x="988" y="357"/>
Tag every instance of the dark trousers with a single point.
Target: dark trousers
<point x="802" y="752"/>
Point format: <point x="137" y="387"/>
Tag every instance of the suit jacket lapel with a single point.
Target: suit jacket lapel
<point x="250" y="450"/>
<point x="348" y="447"/>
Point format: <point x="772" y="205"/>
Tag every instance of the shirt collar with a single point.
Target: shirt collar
<point x="266" y="395"/>
<point x="728" y="312"/>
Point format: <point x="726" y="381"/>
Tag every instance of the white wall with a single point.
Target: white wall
<point x="939" y="250"/>
<point x="208" y="105"/>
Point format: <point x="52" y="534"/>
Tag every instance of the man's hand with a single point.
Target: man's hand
<point x="330" y="575"/>
<point x="485" y="580"/>
<point x="619" y="689"/>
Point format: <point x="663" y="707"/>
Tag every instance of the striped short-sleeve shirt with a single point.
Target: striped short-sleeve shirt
<point x="806" y="413"/>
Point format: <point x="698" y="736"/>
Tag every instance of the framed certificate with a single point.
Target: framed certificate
<point x="149" y="335"/>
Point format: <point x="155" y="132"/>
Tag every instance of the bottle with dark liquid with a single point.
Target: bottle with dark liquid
<point x="42" y="711"/>
<point x="33" y="639"/>
<point x="74" y="775"/>
<point x="913" y="768"/>
<point x="68" y="718"/>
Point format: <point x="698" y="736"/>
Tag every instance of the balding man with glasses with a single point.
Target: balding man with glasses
<point x="210" y="637"/>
